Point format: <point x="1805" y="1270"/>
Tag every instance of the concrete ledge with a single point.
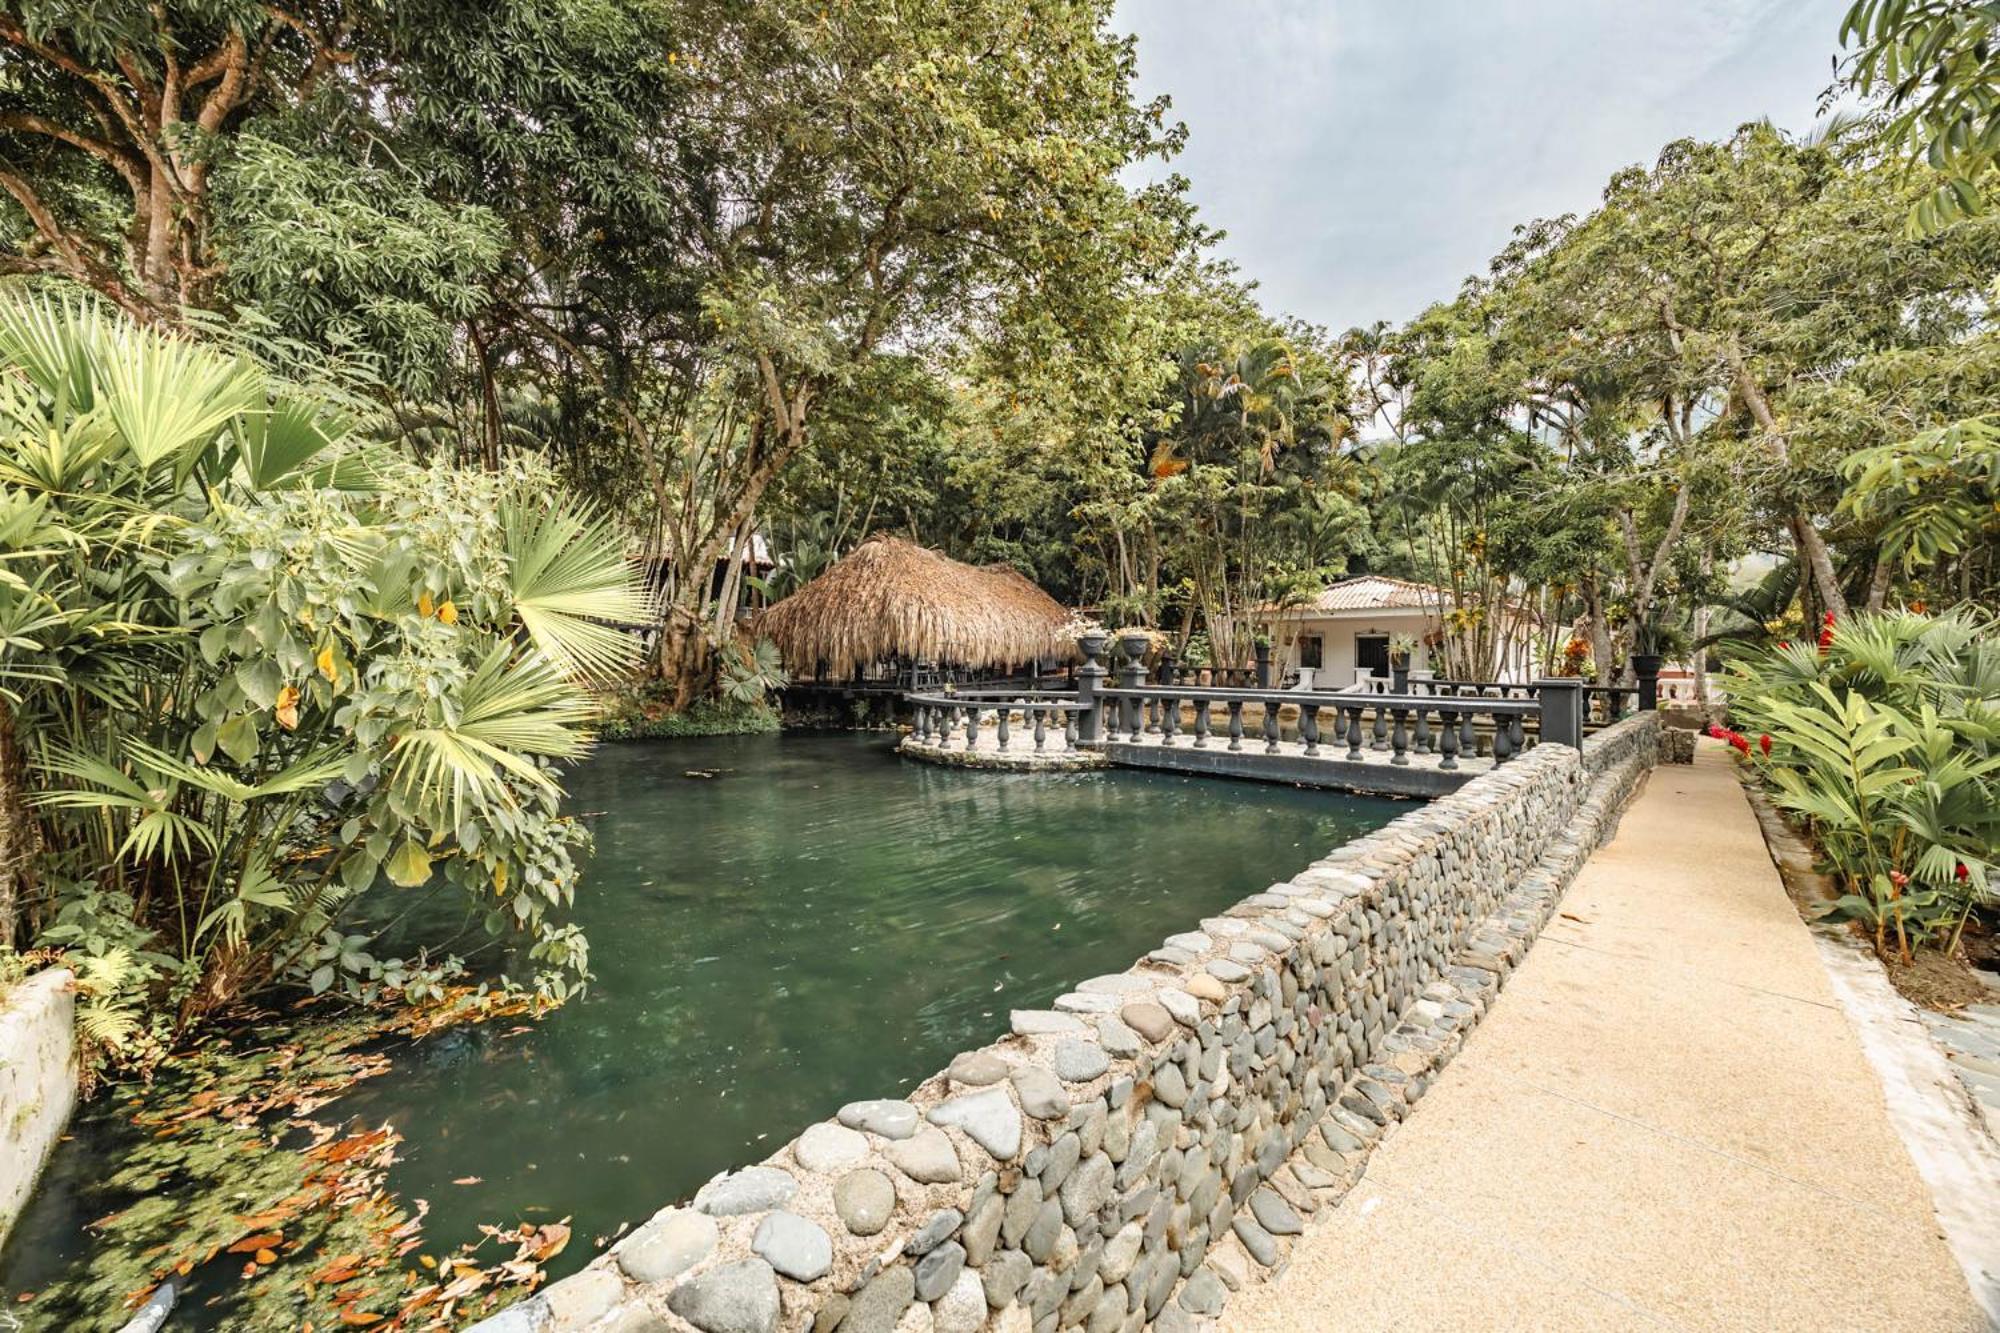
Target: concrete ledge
<point x="1025" y="760"/>
<point x="37" y="1082"/>
<point x="1379" y="778"/>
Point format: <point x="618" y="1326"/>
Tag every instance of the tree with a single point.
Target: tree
<point x="1935" y="67"/>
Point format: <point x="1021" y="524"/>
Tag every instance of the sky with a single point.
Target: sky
<point x="1366" y="156"/>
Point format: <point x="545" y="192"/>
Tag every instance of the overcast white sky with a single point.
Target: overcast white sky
<point x="1365" y="156"/>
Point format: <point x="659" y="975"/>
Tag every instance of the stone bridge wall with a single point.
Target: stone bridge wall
<point x="1124" y="1160"/>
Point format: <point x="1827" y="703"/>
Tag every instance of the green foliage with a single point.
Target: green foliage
<point x="1934" y="66"/>
<point x="642" y="709"/>
<point x="1887" y="740"/>
<point x="751" y="671"/>
<point x="1936" y="495"/>
<point x="261" y="664"/>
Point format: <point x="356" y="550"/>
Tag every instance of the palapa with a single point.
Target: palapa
<point x="891" y="600"/>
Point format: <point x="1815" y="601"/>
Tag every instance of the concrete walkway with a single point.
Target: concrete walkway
<point x="1665" y="1122"/>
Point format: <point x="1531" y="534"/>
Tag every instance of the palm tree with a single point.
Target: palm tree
<point x="251" y="657"/>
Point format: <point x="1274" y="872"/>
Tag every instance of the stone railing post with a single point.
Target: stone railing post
<point x="1132" y="676"/>
<point x="1088" y="677"/>
<point x="1562" y="710"/>
<point x="1263" y="664"/>
<point x="1646" y="667"/>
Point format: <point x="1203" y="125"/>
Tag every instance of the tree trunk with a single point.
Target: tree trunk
<point x="17" y="836"/>
<point x="1811" y="546"/>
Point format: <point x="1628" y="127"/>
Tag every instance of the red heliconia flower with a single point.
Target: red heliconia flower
<point x="1764" y="742"/>
<point x="1784" y="644"/>
<point x="1962" y="872"/>
<point x="1715" y="731"/>
<point x="1742" y="743"/>
<point x="1827" y="620"/>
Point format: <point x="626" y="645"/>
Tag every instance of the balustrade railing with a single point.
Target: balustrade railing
<point x="1452" y="720"/>
<point x="956" y="717"/>
<point x="1448" y="726"/>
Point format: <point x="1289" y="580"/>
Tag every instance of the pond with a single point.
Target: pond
<point x="779" y="925"/>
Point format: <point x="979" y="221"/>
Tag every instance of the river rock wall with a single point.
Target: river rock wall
<point x="1127" y="1158"/>
<point x="37" y="1082"/>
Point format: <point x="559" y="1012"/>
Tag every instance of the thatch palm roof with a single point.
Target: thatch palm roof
<point x="890" y="599"/>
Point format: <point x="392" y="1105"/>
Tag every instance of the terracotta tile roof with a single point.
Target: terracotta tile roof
<point x="1369" y="592"/>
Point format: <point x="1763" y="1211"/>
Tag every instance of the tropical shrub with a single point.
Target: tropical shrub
<point x="1884" y="734"/>
<point x="261" y="667"/>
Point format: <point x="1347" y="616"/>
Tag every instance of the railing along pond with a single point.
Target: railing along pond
<point x="1451" y="720"/>
<point x="941" y="716"/>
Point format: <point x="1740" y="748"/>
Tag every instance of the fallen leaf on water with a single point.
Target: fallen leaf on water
<point x="469" y="1180"/>
<point x="266" y="1257"/>
<point x="263" y="1240"/>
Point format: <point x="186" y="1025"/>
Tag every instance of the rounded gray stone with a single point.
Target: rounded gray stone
<point x="1080" y="1061"/>
<point x="667" y="1245"/>
<point x="799" y="1249"/>
<point x="732" y="1298"/>
<point x="1170" y="1085"/>
<point x="754" y="1189"/>
<point x="829" y="1148"/>
<point x="1004" y="1275"/>
<point x="988" y="1118"/>
<point x="1043" y="1022"/>
<point x="963" y="1308"/>
<point x="936" y="1271"/>
<point x="1041" y="1095"/>
<point x="864" y="1199"/>
<point x="1204" y="1293"/>
<point x="880" y="1304"/>
<point x="1274" y="1214"/>
<point x="885" y="1116"/>
<point x="1117" y="1038"/>
<point x="933" y="1232"/>
<point x="927" y="1158"/>
<point x="978" y="1069"/>
<point x="1149" y="1020"/>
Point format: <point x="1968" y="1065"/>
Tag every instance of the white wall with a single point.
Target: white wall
<point x="1339" y="633"/>
<point x="37" y="1082"/>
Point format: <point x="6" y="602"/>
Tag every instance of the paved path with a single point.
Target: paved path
<point x="1665" y="1122"/>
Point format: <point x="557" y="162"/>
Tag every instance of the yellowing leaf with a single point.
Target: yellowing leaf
<point x="328" y="667"/>
<point x="410" y="866"/>
<point x="266" y="1256"/>
<point x="500" y="877"/>
<point x="448" y="613"/>
<point x="288" y="708"/>
<point x="425" y="607"/>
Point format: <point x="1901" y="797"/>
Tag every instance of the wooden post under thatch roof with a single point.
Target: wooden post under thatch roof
<point x="891" y="600"/>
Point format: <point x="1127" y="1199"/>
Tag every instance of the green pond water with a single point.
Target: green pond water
<point x="819" y="921"/>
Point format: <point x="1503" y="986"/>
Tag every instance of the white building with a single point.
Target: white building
<point x="1327" y="641"/>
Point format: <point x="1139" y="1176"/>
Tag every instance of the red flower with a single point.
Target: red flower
<point x="1827" y="620"/>
<point x="1784" y="643"/>
<point x="1898" y="878"/>
<point x="1962" y="872"/>
<point x="1715" y="731"/>
<point x="1764" y="742"/>
<point x="1742" y="743"/>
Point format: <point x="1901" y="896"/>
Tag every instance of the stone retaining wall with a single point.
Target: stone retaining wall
<point x="1125" y="1159"/>
<point x="37" y="1082"/>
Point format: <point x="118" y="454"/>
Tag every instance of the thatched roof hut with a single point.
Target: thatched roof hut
<point x="891" y="600"/>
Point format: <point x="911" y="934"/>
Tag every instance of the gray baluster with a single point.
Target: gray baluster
<point x="1235" y="724"/>
<point x="1170" y="719"/>
<point x="1041" y="723"/>
<point x="1309" y="726"/>
<point x="1270" y="727"/>
<point x="1423" y="729"/>
<point x="1000" y="731"/>
<point x="1448" y="740"/>
<point x="1468" y="739"/>
<point x="1400" y="740"/>
<point x="1516" y="739"/>
<point x="1353" y="719"/>
<point x="923" y="723"/>
<point x="972" y="727"/>
<point x="1200" y="723"/>
<point x="1381" y="741"/>
<point x="1503" y="744"/>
